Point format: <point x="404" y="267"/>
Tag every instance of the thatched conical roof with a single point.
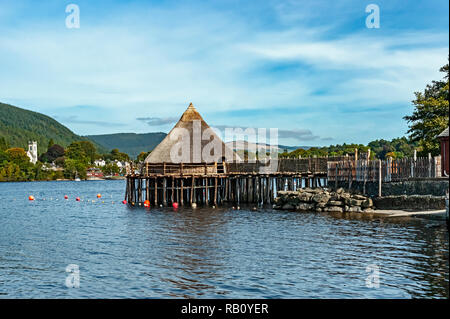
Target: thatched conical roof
<point x="192" y="125"/>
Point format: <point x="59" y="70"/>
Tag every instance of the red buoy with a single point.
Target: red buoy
<point x="175" y="205"/>
<point x="147" y="203"/>
<point x="78" y="199"/>
<point x="124" y="202"/>
<point x="31" y="197"/>
<point x="99" y="195"/>
<point x="66" y="197"/>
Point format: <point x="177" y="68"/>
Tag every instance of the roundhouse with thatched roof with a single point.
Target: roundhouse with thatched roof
<point x="192" y="145"/>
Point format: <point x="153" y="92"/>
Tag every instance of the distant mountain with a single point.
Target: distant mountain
<point x="261" y="147"/>
<point x="130" y="143"/>
<point x="18" y="126"/>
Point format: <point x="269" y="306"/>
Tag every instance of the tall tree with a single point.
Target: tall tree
<point x="430" y="115"/>
<point x="50" y="143"/>
<point x="4" y="145"/>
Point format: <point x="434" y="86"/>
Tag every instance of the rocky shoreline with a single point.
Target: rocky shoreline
<point x="323" y="200"/>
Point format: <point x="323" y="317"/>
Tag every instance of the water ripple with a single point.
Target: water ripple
<point x="206" y="253"/>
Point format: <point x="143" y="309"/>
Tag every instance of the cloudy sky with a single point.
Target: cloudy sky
<point x="310" y="68"/>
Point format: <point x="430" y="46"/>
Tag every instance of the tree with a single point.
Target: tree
<point x="142" y="156"/>
<point x="4" y="145"/>
<point x="18" y="156"/>
<point x="430" y="115"/>
<point x="52" y="153"/>
<point x="74" y="168"/>
<point x="50" y="143"/>
<point x="110" y="169"/>
<point x="76" y="152"/>
<point x="117" y="155"/>
<point x="89" y="150"/>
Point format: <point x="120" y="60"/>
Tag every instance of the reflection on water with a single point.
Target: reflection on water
<point x="207" y="253"/>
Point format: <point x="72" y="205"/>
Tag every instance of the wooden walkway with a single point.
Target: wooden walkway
<point x="216" y="183"/>
<point x="215" y="189"/>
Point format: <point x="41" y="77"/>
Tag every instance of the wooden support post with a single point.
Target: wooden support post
<point x="226" y="189"/>
<point x="237" y="190"/>
<point x="164" y="191"/>
<point x="215" y="190"/>
<point x="182" y="191"/>
<point x="173" y="191"/>
<point x="192" y="190"/>
<point x="257" y="186"/>
<point x="139" y="190"/>
<point x="126" y="190"/>
<point x="156" y="191"/>
<point x="205" y="194"/>
<point x="379" y="178"/>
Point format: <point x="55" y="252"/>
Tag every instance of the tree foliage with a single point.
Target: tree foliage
<point x="116" y="155"/>
<point x="430" y="115"/>
<point x="53" y="152"/>
<point x="142" y="156"/>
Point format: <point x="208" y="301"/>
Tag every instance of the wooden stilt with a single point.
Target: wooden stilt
<point x="182" y="192"/>
<point x="164" y="191"/>
<point x="192" y="190"/>
<point x="215" y="191"/>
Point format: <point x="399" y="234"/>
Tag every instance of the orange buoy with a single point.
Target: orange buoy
<point x="31" y="197"/>
<point x="66" y="197"/>
<point x="78" y="199"/>
<point x="147" y="203"/>
<point x="99" y="195"/>
<point x="124" y="202"/>
<point x="175" y="205"/>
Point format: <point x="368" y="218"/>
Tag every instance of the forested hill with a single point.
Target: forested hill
<point x="18" y="126"/>
<point x="130" y="143"/>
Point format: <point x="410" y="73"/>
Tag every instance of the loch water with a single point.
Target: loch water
<point x="124" y="252"/>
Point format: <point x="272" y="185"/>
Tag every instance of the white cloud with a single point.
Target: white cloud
<point x="152" y="62"/>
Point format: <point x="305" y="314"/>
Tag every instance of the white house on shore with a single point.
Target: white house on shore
<point x="100" y="162"/>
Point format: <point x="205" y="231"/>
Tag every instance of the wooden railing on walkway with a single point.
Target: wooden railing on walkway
<point x="313" y="165"/>
<point x="387" y="170"/>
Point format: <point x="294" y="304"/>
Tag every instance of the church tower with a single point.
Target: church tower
<point x="32" y="152"/>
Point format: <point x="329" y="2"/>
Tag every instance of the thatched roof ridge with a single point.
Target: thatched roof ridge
<point x="190" y="118"/>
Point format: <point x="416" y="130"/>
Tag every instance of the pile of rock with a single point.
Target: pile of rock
<point x="322" y="200"/>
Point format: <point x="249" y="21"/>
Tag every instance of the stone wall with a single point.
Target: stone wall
<point x="435" y="187"/>
<point x="322" y="200"/>
<point x="413" y="202"/>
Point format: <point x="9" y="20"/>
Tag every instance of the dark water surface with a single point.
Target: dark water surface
<point x="206" y="253"/>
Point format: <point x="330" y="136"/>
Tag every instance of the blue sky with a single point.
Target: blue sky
<point x="309" y="68"/>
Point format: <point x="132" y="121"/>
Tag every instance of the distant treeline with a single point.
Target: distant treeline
<point x="396" y="148"/>
<point x="67" y="163"/>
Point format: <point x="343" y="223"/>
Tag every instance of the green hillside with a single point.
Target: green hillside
<point x="130" y="143"/>
<point x="18" y="126"/>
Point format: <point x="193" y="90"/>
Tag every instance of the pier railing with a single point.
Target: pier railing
<point x="390" y="170"/>
<point x="313" y="165"/>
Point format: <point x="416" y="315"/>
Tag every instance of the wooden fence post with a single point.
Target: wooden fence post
<point x="379" y="178"/>
<point x="429" y="165"/>
<point x="336" y="176"/>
